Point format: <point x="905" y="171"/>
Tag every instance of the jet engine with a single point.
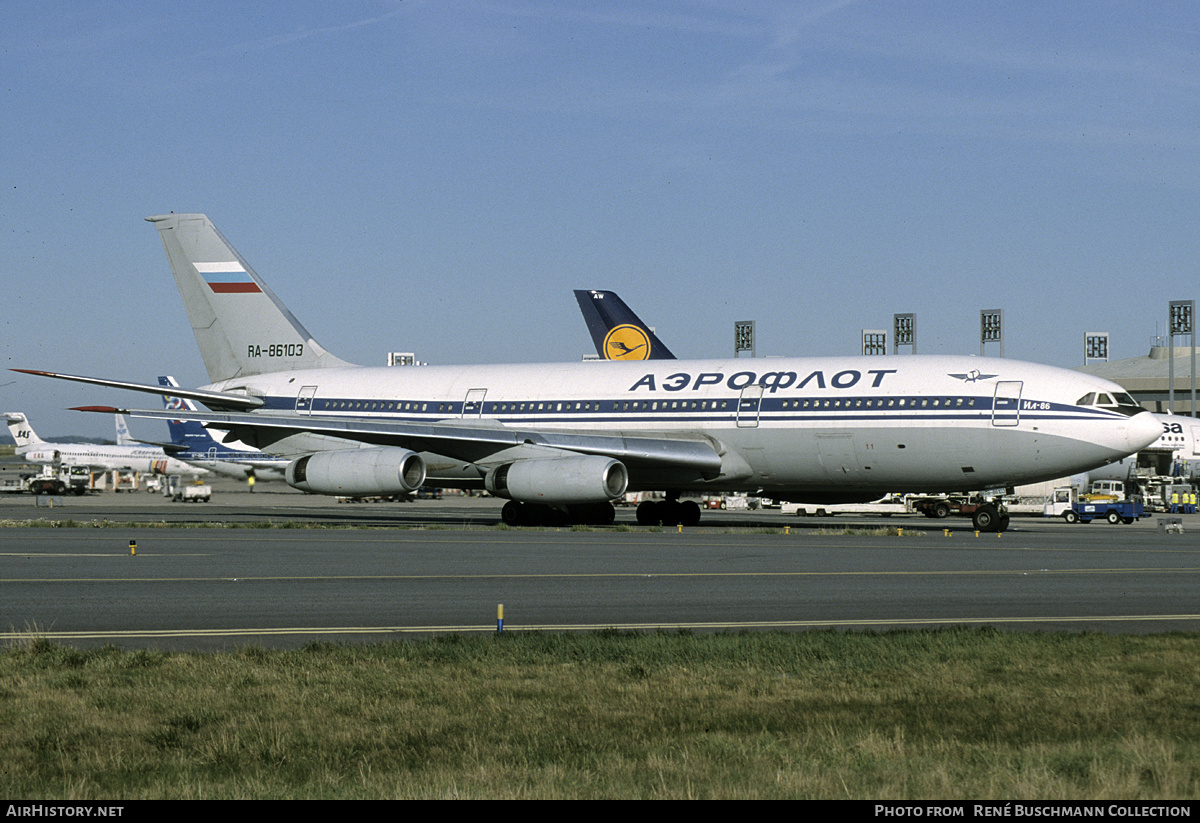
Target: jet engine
<point x="566" y="480"/>
<point x="383" y="470"/>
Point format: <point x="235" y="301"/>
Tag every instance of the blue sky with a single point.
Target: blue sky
<point x="438" y="177"/>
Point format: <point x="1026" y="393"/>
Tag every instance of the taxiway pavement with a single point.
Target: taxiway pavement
<point x="442" y="566"/>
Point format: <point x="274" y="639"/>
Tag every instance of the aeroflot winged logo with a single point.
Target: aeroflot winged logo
<point x="626" y="342"/>
<point x="227" y="278"/>
<point x="973" y="376"/>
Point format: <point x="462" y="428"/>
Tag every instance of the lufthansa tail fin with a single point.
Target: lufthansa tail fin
<point x="618" y="333"/>
<point x="241" y="326"/>
<point x="21" y="431"/>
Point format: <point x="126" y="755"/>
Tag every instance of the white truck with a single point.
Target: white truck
<point x="182" y="491"/>
<point x="1105" y="501"/>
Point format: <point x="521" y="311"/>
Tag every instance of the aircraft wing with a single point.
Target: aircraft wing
<point x="667" y="458"/>
<point x="212" y="399"/>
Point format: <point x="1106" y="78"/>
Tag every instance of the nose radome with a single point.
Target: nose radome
<point x="1143" y="430"/>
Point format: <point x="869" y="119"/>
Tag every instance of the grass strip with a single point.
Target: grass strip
<point x="937" y="714"/>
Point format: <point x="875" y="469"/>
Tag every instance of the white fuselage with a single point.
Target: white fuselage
<point x="229" y="465"/>
<point x="145" y="459"/>
<point x="808" y="428"/>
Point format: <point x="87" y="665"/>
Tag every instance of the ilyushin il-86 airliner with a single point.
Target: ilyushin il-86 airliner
<point x="562" y="440"/>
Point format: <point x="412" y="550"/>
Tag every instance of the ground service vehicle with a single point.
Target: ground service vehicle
<point x="986" y="515"/>
<point x="180" y="491"/>
<point x="1067" y="505"/>
<point x="63" y="480"/>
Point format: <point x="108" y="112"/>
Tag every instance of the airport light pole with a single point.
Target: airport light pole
<point x="1095" y="347"/>
<point x="904" y="332"/>
<point x="874" y="341"/>
<point x="1181" y="323"/>
<point x="743" y="337"/>
<point x="991" y="329"/>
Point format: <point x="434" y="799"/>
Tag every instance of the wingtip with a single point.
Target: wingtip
<point x="103" y="409"/>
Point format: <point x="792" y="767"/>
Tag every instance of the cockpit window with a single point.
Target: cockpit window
<point x="1121" y="402"/>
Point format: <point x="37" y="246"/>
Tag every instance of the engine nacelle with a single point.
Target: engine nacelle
<point x="565" y="480"/>
<point x="382" y="470"/>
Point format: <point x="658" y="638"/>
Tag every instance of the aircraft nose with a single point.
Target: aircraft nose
<point x="1143" y="430"/>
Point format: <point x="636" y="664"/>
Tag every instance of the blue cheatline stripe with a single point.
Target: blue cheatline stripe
<point x="770" y="410"/>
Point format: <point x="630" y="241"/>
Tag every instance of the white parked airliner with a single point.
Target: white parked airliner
<point x="123" y="457"/>
<point x="561" y="440"/>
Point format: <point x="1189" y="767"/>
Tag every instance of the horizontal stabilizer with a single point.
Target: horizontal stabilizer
<point x="213" y="399"/>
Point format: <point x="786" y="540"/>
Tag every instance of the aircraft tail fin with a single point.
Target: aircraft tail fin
<point x="190" y="434"/>
<point x="21" y="431"/>
<point x="242" y="328"/>
<point x="124" y="438"/>
<point x="618" y="333"/>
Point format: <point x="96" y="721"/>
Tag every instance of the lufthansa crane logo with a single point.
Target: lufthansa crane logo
<point x="626" y="342"/>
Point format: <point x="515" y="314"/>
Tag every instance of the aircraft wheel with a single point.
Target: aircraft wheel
<point x="605" y="515"/>
<point x="511" y="513"/>
<point x="647" y="513"/>
<point x="551" y="516"/>
<point x="689" y="513"/>
<point x="1070" y="516"/>
<point x="984" y="518"/>
<point x="592" y="514"/>
<point x="670" y="512"/>
<point x="1114" y="518"/>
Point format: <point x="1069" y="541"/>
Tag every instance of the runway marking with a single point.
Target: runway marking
<point x="599" y="575"/>
<point x="750" y="624"/>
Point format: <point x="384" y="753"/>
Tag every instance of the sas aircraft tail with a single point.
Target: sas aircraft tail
<point x="241" y="326"/>
<point x="21" y="431"/>
<point x="618" y="333"/>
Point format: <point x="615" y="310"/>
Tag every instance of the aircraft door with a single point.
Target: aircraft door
<point x="473" y="404"/>
<point x="304" y="400"/>
<point x="1006" y="408"/>
<point x="748" y="407"/>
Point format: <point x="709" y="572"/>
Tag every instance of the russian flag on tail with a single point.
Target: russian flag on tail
<point x="227" y="278"/>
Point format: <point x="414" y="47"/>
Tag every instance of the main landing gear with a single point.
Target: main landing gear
<point x="669" y="512"/>
<point x="990" y="518"/>
<point x="542" y="514"/>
